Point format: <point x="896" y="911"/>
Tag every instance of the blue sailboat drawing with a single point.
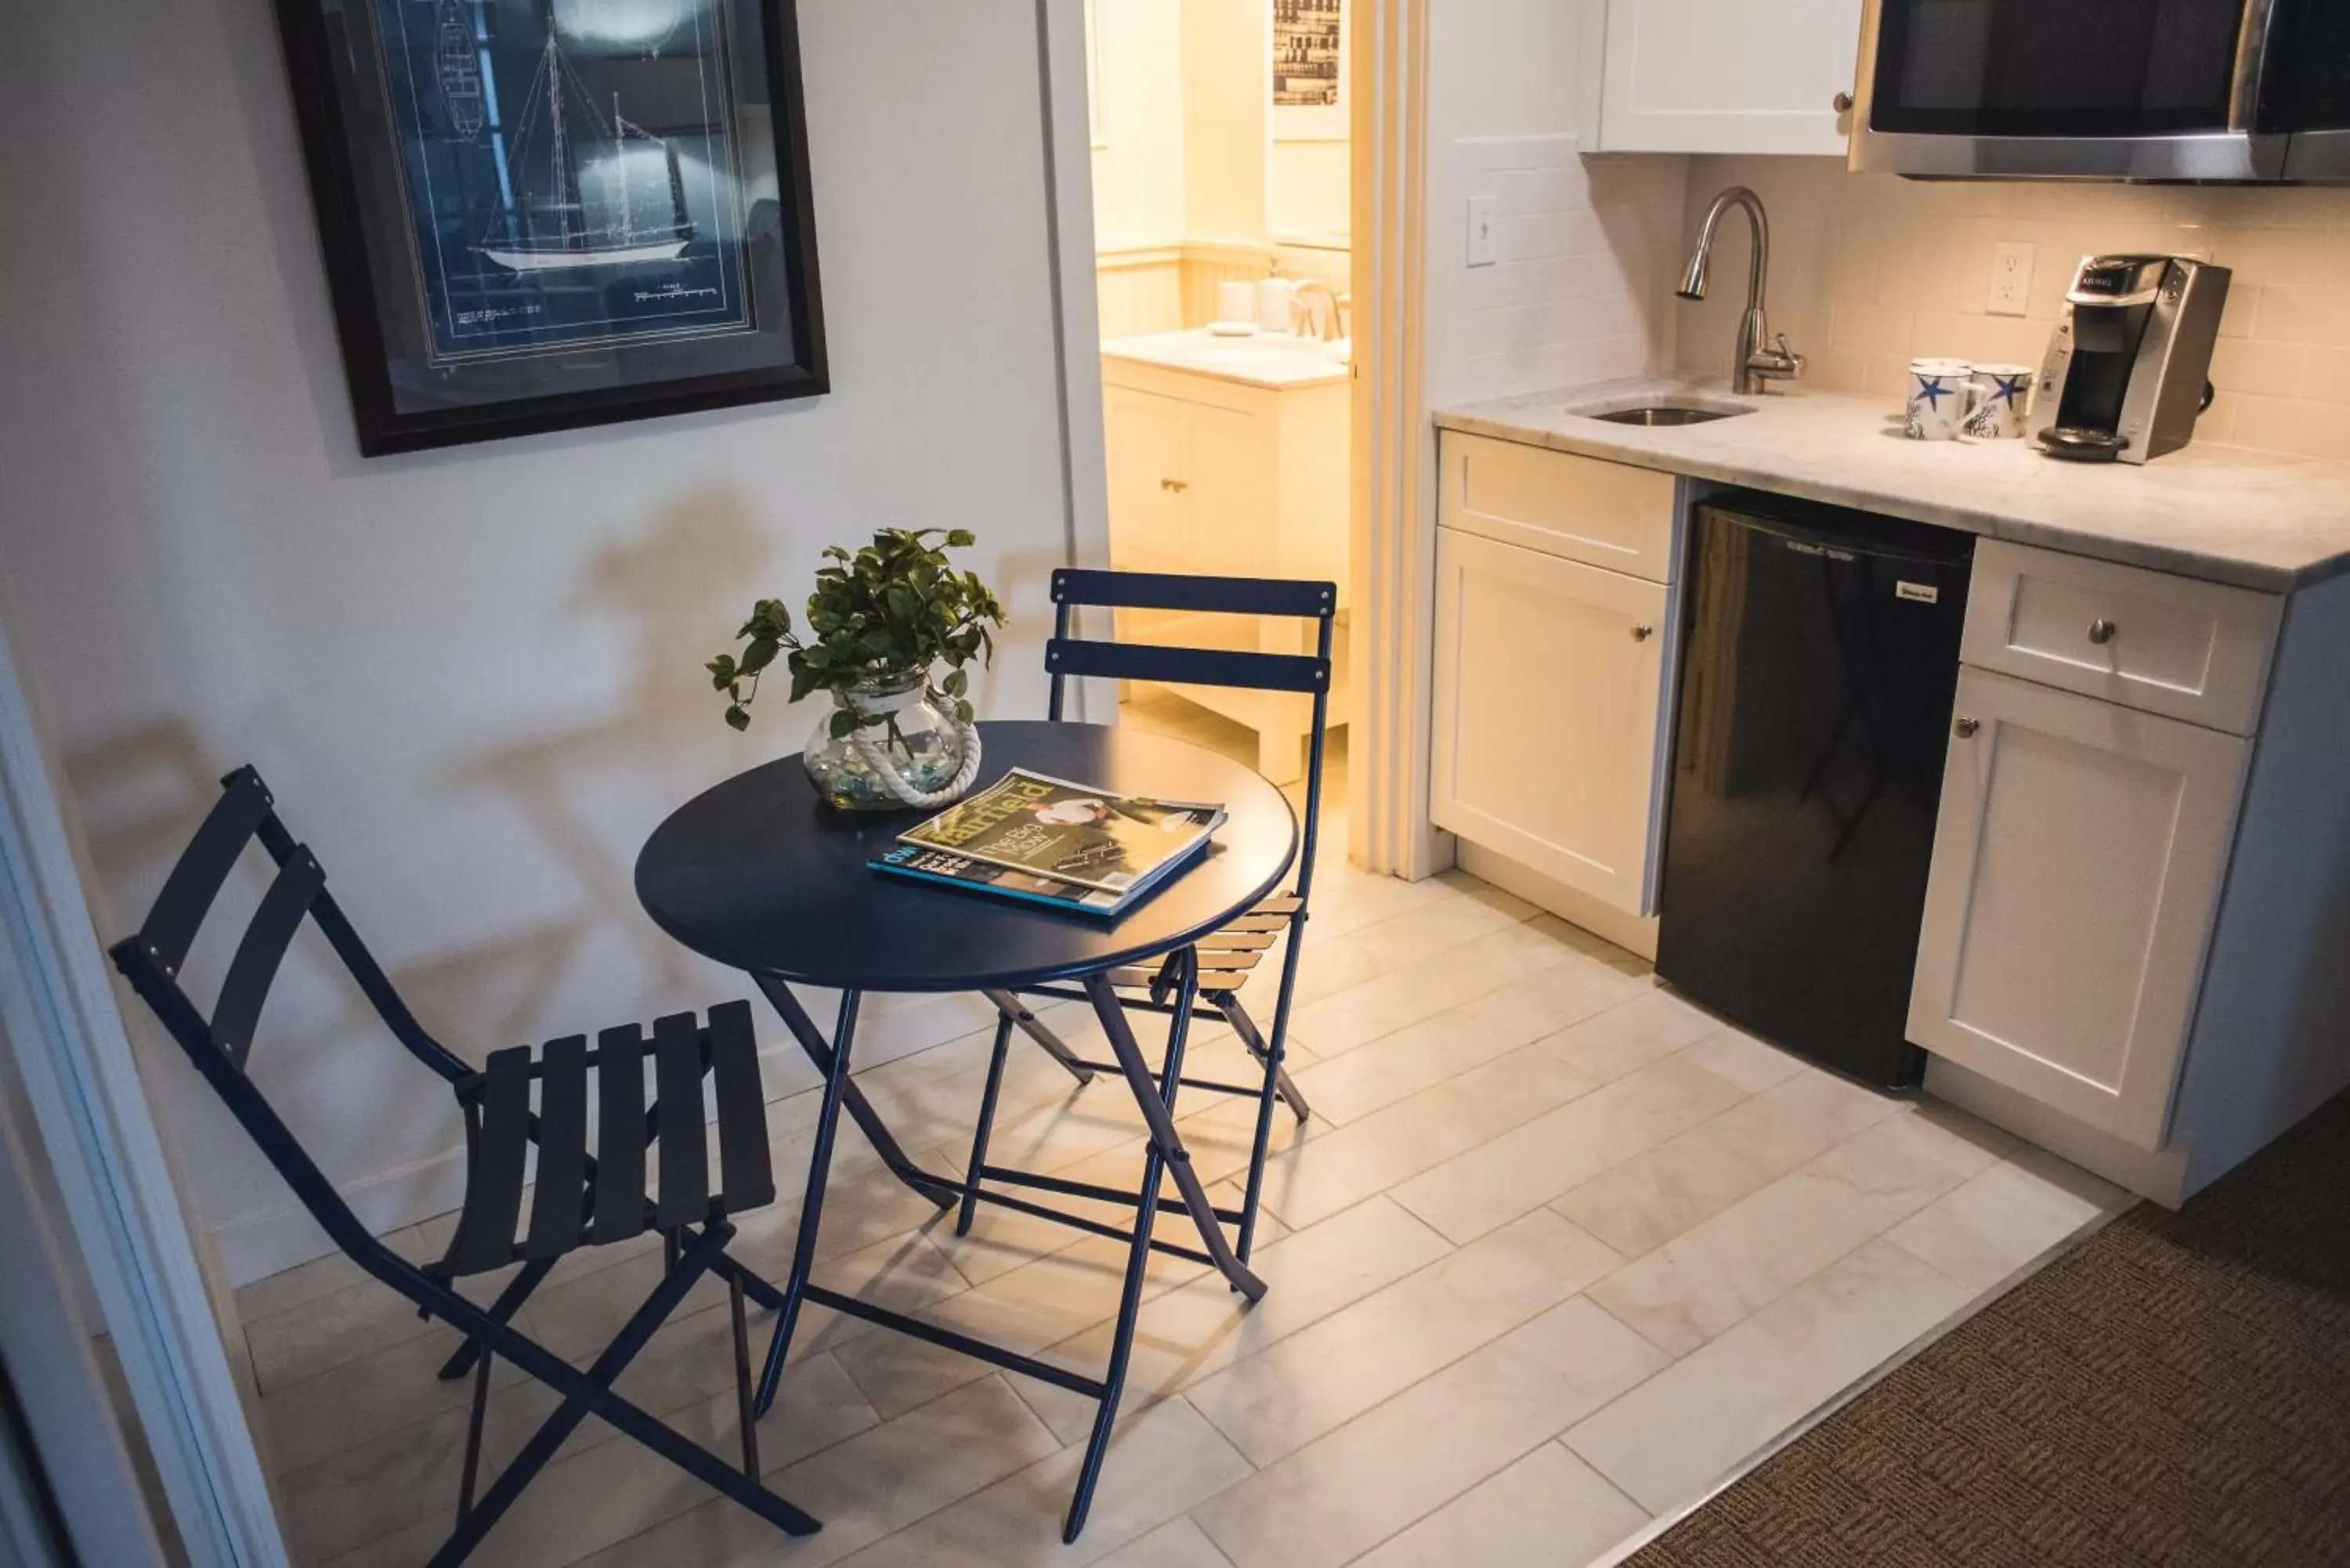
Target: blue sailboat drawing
<point x="459" y="59"/>
<point x="547" y="227"/>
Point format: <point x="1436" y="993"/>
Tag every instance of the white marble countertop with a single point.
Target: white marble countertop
<point x="2224" y="514"/>
<point x="1273" y="359"/>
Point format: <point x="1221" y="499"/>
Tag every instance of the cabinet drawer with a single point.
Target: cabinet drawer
<point x="1604" y="514"/>
<point x="2165" y="644"/>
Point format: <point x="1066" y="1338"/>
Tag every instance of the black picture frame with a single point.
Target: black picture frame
<point x="397" y="301"/>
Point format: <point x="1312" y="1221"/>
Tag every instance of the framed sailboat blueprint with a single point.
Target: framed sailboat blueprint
<point x="543" y="213"/>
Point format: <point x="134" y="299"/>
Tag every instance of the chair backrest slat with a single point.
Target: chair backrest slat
<point x="485" y="1235"/>
<point x="558" y="1201"/>
<point x="1065" y="656"/>
<point x="1227" y="595"/>
<point x="237" y="1011"/>
<point x="620" y="1133"/>
<point x="684" y="1138"/>
<point x="220" y="1046"/>
<point x="203" y="869"/>
<point x="746" y="1169"/>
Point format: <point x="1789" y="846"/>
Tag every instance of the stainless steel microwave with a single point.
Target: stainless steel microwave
<point x="2105" y="89"/>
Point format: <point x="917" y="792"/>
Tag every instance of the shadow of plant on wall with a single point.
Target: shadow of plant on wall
<point x="669" y="587"/>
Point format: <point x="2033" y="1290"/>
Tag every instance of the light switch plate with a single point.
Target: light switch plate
<point x="1484" y="220"/>
<point x="2011" y="279"/>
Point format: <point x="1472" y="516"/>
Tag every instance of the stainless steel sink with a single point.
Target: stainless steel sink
<point x="1665" y="415"/>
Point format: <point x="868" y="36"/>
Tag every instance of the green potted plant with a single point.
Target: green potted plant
<point x="878" y="625"/>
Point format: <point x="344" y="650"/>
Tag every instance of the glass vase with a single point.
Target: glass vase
<point x="906" y="731"/>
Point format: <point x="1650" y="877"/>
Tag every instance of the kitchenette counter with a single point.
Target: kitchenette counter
<point x="2221" y="513"/>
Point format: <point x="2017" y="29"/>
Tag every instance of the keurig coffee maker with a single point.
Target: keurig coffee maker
<point x="2128" y="369"/>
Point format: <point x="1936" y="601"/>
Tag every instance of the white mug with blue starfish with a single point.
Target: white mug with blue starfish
<point x="2002" y="393"/>
<point x="1941" y="397"/>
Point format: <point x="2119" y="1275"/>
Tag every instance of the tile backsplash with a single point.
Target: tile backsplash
<point x="1582" y="281"/>
<point x="1868" y="271"/>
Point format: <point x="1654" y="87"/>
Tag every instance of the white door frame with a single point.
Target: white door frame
<point x="1064" y="98"/>
<point x="1393" y="555"/>
<point x="1392" y="468"/>
<point x="78" y="1069"/>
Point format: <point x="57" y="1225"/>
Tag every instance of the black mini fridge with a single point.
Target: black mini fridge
<point x="1819" y="667"/>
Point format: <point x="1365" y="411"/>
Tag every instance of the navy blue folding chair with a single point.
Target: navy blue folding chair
<point x="1229" y="958"/>
<point x="580" y="1198"/>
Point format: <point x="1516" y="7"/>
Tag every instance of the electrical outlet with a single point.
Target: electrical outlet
<point x="1484" y="220"/>
<point x="2011" y="279"/>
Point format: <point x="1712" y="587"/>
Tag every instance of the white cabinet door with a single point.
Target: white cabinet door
<point x="1228" y="522"/>
<point x="2077" y="862"/>
<point x="1549" y="702"/>
<point x="1147" y="449"/>
<point x="1726" y="76"/>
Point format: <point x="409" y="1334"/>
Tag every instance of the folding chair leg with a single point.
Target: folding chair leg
<point x="827" y="1122"/>
<point x="1152" y="1102"/>
<point x="1028" y="1024"/>
<point x="1245" y="1027"/>
<point x="1003" y="1021"/>
<point x="1276" y="1080"/>
<point x="877" y="1132"/>
<point x="757" y="1289"/>
<point x="743" y="1411"/>
<point x="509" y="1301"/>
<point x="593" y="1390"/>
<point x="474" y="1435"/>
<point x="1138" y="1265"/>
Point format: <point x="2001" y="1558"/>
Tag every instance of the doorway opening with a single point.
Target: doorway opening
<point x="1222" y="200"/>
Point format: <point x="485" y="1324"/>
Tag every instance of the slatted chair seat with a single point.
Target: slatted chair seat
<point x="583" y="1196"/>
<point x="579" y="1202"/>
<point x="1228" y="956"/>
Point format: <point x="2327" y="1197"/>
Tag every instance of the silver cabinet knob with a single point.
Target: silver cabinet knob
<point x="1966" y="727"/>
<point x="2103" y="631"/>
<point x="1841" y="102"/>
<point x="1642" y="632"/>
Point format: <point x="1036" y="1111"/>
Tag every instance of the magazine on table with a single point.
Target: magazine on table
<point x="1052" y="841"/>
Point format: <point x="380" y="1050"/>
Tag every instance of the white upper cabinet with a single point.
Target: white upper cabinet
<point x="2076" y="875"/>
<point x="1717" y="76"/>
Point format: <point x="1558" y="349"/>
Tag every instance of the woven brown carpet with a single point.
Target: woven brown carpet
<point x="2176" y="1391"/>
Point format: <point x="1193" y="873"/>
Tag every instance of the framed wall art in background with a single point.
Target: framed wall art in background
<point x="543" y="213"/>
<point x="1310" y="78"/>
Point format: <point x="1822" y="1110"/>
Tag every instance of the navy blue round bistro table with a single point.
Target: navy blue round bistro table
<point x="759" y="874"/>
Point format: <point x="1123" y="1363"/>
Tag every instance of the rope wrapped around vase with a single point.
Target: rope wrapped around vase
<point x="876" y="757"/>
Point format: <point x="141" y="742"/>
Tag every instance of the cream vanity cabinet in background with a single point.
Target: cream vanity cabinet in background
<point x="1229" y="457"/>
<point x="1717" y="76"/>
<point x="1553" y="600"/>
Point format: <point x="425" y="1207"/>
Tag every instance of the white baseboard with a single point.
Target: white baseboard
<point x="2160" y="1174"/>
<point x="255" y="1246"/>
<point x="1634" y="933"/>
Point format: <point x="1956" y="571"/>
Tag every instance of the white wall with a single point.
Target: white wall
<point x="1137" y="157"/>
<point x="472" y="676"/>
<point x="1310" y="192"/>
<point x="1583" y="288"/>
<point x="1227" y="90"/>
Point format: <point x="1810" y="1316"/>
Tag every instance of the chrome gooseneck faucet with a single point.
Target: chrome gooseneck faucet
<point x="1758" y="361"/>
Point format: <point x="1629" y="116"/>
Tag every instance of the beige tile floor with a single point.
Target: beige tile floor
<point x="1557" y="1252"/>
